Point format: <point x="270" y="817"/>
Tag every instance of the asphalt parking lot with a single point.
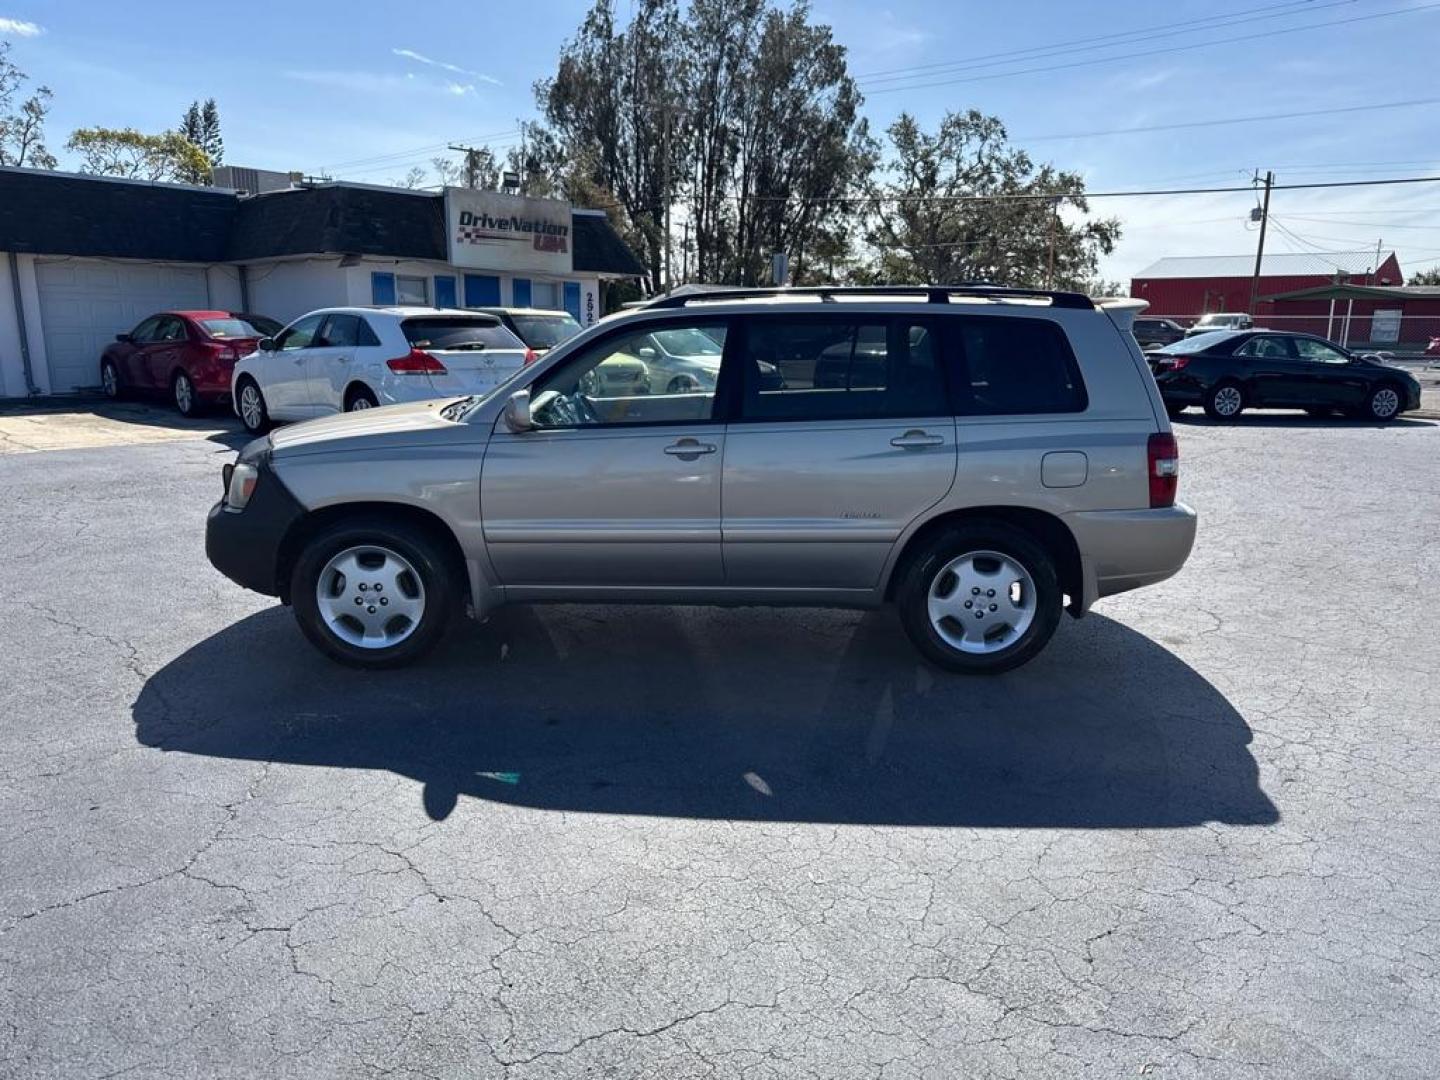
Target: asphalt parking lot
<point x="1199" y="836"/>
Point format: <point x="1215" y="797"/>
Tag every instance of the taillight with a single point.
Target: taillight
<point x="1163" y="458"/>
<point x="416" y="362"/>
<point x="1177" y="362"/>
<point x="531" y="356"/>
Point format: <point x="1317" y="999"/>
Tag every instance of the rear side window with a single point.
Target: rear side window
<point x="832" y="369"/>
<point x="1016" y="366"/>
<point x="458" y="332"/>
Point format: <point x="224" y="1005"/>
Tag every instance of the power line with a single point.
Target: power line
<point x="1210" y="43"/>
<point x="412" y="151"/>
<point x="1106" y="41"/>
<point x="1233" y="119"/>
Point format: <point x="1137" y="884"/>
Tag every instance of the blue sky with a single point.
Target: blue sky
<point x="365" y="90"/>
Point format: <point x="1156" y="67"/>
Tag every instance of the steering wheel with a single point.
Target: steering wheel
<point x="555" y="409"/>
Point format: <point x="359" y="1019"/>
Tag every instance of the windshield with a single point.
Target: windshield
<point x="545" y="331"/>
<point x="687" y="342"/>
<point x="1199" y="342"/>
<point x="458" y="332"/>
<point x="235" y="328"/>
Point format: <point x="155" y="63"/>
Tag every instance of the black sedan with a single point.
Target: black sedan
<point x="1151" y="331"/>
<point x="1229" y="371"/>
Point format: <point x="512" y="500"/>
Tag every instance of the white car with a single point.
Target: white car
<point x="344" y="359"/>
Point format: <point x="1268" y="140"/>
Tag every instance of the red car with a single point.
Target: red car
<point x="185" y="354"/>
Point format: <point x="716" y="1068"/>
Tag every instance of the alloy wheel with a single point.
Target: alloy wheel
<point x="1227" y="401"/>
<point x="1385" y="403"/>
<point x="109" y="380"/>
<point x="252" y="408"/>
<point x="370" y="597"/>
<point x="184" y="393"/>
<point x="982" y="602"/>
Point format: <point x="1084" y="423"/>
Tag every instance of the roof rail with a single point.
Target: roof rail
<point x="934" y="294"/>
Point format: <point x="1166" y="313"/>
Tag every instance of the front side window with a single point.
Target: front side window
<point x="341" y="332"/>
<point x="832" y="369"/>
<point x="145" y="332"/>
<point x="1018" y="366"/>
<point x="1319" y="351"/>
<point x="629" y="379"/>
<point x="300" y="335"/>
<point x="411" y="290"/>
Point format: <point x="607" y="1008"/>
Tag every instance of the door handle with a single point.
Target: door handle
<point x="689" y="449"/>
<point x="916" y="438"/>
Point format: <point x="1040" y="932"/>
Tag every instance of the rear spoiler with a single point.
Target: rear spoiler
<point x="1122" y="310"/>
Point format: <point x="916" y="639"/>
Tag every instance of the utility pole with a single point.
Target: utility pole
<point x="1260" y="248"/>
<point x="472" y="163"/>
<point x="665" y="149"/>
<point x="1050" y="244"/>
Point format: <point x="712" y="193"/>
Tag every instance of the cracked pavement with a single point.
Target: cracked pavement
<point x="1197" y="837"/>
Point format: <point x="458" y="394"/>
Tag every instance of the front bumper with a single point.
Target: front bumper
<point x="1129" y="549"/>
<point x="245" y="545"/>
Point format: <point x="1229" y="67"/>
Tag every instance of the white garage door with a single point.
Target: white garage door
<point x="84" y="303"/>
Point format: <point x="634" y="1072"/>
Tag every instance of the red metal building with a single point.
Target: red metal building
<point x="1185" y="287"/>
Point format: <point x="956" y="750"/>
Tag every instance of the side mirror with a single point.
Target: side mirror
<point x="517" y="412"/>
<point x="124" y="339"/>
<point x="266" y="344"/>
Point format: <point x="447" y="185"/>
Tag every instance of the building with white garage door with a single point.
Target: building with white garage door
<point x="84" y="258"/>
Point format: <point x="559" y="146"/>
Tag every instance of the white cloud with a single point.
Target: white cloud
<point x="374" y="82"/>
<point x="20" y="28"/>
<point x="420" y="58"/>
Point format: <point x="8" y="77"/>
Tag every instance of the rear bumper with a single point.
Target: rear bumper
<point x="1128" y="549"/>
<point x="244" y="545"/>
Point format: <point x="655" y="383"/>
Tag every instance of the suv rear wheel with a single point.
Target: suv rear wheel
<point x="980" y="598"/>
<point x="373" y="594"/>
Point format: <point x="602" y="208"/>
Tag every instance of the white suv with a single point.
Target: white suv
<point x="346" y="359"/>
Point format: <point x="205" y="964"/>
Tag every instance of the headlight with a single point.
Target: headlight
<point x="240" y="484"/>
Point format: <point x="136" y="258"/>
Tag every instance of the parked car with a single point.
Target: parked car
<point x="1227" y="372"/>
<point x="346" y="359"/>
<point x="186" y="355"/>
<point x="1151" y="331"/>
<point x="539" y="328"/>
<point x="378" y="528"/>
<point x="1221" y="320"/>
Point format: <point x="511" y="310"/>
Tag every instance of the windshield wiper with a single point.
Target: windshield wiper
<point x="456" y="408"/>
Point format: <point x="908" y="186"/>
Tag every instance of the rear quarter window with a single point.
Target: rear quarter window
<point x="1014" y="366"/>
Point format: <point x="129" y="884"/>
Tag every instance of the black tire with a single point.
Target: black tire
<point x="1174" y="411"/>
<point x="1216" y="392"/>
<point x="432" y="563"/>
<point x="360" y="397"/>
<point x="1378" y="406"/>
<point x="681" y="384"/>
<point x="110" y="380"/>
<point x="256" y="423"/>
<point x="183" y="395"/>
<point x="913" y="592"/>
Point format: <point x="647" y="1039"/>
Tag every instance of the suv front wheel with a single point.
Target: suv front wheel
<point x="980" y="598"/>
<point x="373" y="594"/>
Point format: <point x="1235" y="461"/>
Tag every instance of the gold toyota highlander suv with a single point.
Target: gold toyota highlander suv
<point x="979" y="456"/>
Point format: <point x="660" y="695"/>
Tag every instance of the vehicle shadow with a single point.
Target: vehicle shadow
<point x="1252" y="418"/>
<point x="746" y="714"/>
<point x="217" y="423"/>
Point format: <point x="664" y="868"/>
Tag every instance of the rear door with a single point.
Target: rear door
<point x="1273" y="374"/>
<point x="842" y="436"/>
<point x="609" y="491"/>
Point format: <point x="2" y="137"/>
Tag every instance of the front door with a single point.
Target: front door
<point x="287" y="393"/>
<point x="1334" y="378"/>
<point x="163" y="352"/>
<point x="612" y="488"/>
<point x="843" y="437"/>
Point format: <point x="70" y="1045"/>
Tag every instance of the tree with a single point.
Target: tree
<point x="129" y="153"/>
<point x="612" y="103"/>
<point x="415" y="178"/>
<point x="476" y="169"/>
<point x="22" y="125"/>
<point x="962" y="205"/>
<point x="201" y="125"/>
<point x="1425" y="277"/>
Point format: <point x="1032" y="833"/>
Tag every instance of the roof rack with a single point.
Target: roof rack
<point x="934" y="294"/>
